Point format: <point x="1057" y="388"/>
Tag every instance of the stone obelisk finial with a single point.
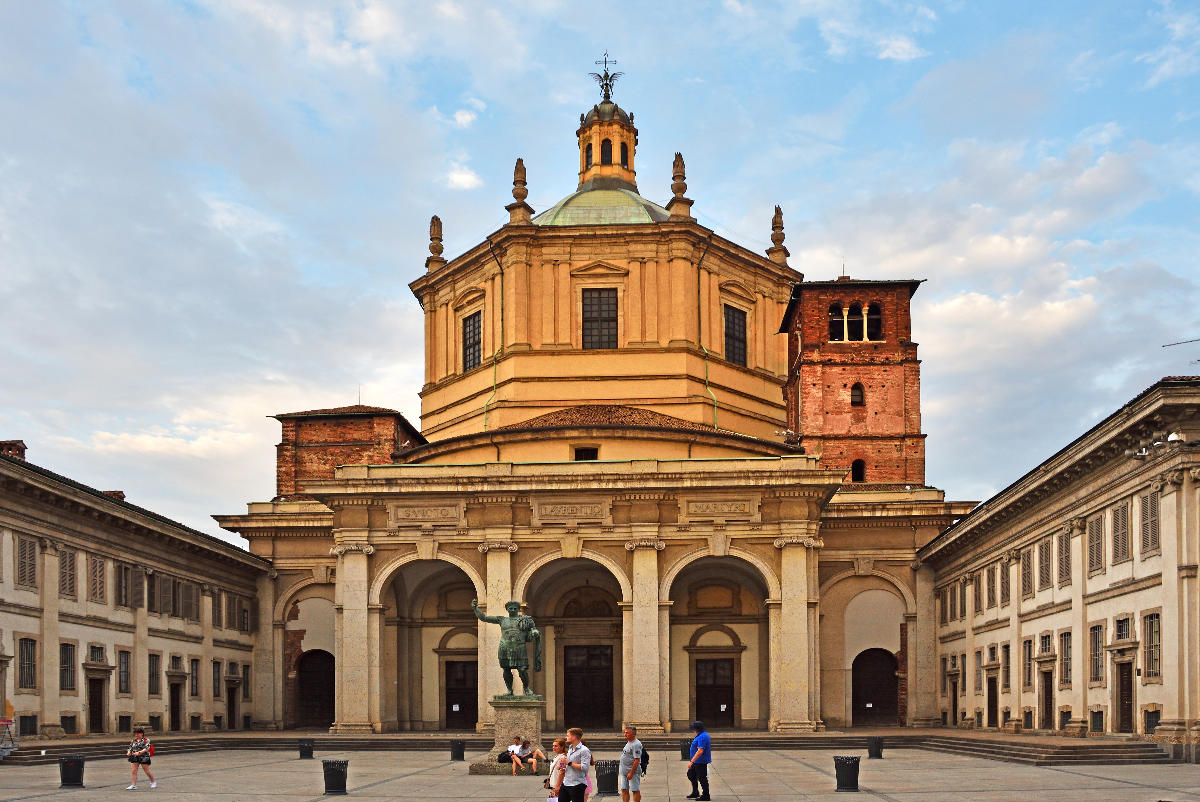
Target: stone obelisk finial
<point x="679" y="206"/>
<point x="519" y="212"/>
<point x="435" y="260"/>
<point x="777" y="253"/>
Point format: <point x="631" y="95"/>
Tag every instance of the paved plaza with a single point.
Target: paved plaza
<point x="905" y="775"/>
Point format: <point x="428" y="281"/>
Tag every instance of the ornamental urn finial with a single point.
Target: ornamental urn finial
<point x="678" y="176"/>
<point x="519" y="212"/>
<point x="520" y="193"/>
<point x="435" y="260"/>
<point x="777" y="253"/>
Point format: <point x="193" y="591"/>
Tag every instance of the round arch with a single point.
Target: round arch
<point x="910" y="601"/>
<point x="699" y="633"/>
<point x="289" y="596"/>
<point x="521" y="584"/>
<point x="450" y="634"/>
<point x="385" y="574"/>
<point x="764" y="570"/>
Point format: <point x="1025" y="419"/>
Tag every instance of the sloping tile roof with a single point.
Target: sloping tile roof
<point x="607" y="415"/>
<point x="353" y="409"/>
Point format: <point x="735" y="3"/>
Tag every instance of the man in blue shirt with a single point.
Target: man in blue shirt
<point x="698" y="765"/>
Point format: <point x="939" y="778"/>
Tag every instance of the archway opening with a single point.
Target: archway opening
<point x="874" y="689"/>
<point x="575" y="603"/>
<point x="719" y="653"/>
<point x="314" y="680"/>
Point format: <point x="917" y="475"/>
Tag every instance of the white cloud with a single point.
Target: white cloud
<point x="460" y="176"/>
<point x="464" y="117"/>
<point x="900" y="48"/>
<point x="1179" y="56"/>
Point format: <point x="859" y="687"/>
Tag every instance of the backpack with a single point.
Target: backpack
<point x="645" y="761"/>
<point x="151" y="752"/>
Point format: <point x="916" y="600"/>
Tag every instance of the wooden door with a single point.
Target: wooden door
<point x="953" y="703"/>
<point x="315" y="676"/>
<point x="993" y="713"/>
<point x="176" y="706"/>
<point x="874" y="691"/>
<point x="1124" y="697"/>
<point x="714" y="692"/>
<point x="95" y="694"/>
<point x="1047" y="717"/>
<point x="231" y="694"/>
<point x="462" y="694"/>
<point x="588" y="686"/>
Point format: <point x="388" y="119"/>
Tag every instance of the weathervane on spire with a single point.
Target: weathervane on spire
<point x="606" y="80"/>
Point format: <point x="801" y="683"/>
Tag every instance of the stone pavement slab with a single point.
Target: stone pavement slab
<point x="904" y="775"/>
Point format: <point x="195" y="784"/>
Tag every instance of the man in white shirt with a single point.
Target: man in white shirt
<point x="579" y="759"/>
<point x="629" y="777"/>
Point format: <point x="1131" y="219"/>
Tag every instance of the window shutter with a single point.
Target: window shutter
<point x="1027" y="572"/>
<point x="1005" y="583"/>
<point x="1149" y="505"/>
<point x="139" y="588"/>
<point x="1044" y="575"/>
<point x="26" y="562"/>
<point x="1121" y="532"/>
<point x="1095" y="536"/>
<point x="96" y="579"/>
<point x="1064" y="558"/>
<point x="66" y="572"/>
<point x="164" y="594"/>
<point x="217" y="610"/>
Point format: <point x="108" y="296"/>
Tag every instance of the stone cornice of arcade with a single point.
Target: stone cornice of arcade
<point x="640" y="242"/>
<point x="280" y="519"/>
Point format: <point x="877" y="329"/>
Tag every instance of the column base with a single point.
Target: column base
<point x="649" y="727"/>
<point x="52" y="731"/>
<point x="1012" y="726"/>
<point x="352" y="728"/>
<point x="799" y="725"/>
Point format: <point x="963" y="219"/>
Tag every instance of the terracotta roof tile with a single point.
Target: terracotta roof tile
<point x="353" y="409"/>
<point x="607" y="415"/>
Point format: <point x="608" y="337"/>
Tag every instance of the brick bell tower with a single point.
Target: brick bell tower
<point x="853" y="392"/>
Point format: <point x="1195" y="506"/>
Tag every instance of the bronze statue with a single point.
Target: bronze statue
<point x="516" y="630"/>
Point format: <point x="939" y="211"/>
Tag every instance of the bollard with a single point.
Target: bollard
<point x="685" y="749"/>
<point x="606" y="777"/>
<point x="335" y="775"/>
<point x="70" y="771"/>
<point x="874" y="746"/>
<point x="458" y="750"/>
<point x="845" y="767"/>
<point x="306" y="748"/>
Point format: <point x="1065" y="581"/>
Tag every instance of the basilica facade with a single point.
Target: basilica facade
<point x="702" y="475"/>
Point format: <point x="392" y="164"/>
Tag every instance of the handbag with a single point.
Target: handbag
<point x="151" y="752"/>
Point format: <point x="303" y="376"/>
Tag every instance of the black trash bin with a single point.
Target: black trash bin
<point x="335" y="775"/>
<point x="874" y="746"/>
<point x="685" y="749"/>
<point x="458" y="750"/>
<point x="846" y="769"/>
<point x="306" y="748"/>
<point x="606" y="777"/>
<point x="70" y="771"/>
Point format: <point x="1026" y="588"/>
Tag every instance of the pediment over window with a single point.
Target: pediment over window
<point x="602" y="269"/>
<point x="738" y="290"/>
<point x="468" y="297"/>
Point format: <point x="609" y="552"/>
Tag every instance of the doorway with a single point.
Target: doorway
<point x="993" y="703"/>
<point x="588" y="686"/>
<point x="314" y="679"/>
<point x="462" y="694"/>
<point x="714" y="692"/>
<point x="874" y="689"/>
<point x="176" y="712"/>
<point x="231" y="696"/>
<point x="95" y="701"/>
<point x="953" y="703"/>
<point x="1047" y="712"/>
<point x="1124" y="697"/>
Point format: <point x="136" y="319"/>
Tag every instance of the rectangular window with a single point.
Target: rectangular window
<point x="944" y="677"/>
<point x="979" y="670"/>
<point x="1149" y="509"/>
<point x="246" y="681"/>
<point x="962" y="599"/>
<point x="977" y="590"/>
<point x="176" y="663"/>
<point x="27" y="554"/>
<point x="991" y="586"/>
<point x="600" y="318"/>
<point x="1005" y="662"/>
<point x="472" y="341"/>
<point x="1045" y="643"/>
<point x="1096" y="654"/>
<point x="96" y="654"/>
<point x="943" y="606"/>
<point x="26" y="663"/>
<point x="1005" y="584"/>
<point x="1064" y="557"/>
<point x="1152" y="635"/>
<point x="154" y="675"/>
<point x="1027" y="663"/>
<point x="66" y="573"/>
<point x="1064" y="658"/>
<point x="586" y="453"/>
<point x="231" y="603"/>
<point x="177" y="598"/>
<point x="166" y="593"/>
<point x="216" y="610"/>
<point x="1045" y="570"/>
<point x="193" y="677"/>
<point x="66" y="666"/>
<point x="1027" y="572"/>
<point x="952" y="595"/>
<point x="735" y="335"/>
<point x="216" y="679"/>
<point x="963" y="685"/>
<point x="122" y="585"/>
<point x="151" y="593"/>
<point x="1120" y="539"/>
<point x="1095" y="545"/>
<point x="1124" y="630"/>
<point x="96" y="590"/>
<point x="124" y="660"/>
<point x="27" y="725"/>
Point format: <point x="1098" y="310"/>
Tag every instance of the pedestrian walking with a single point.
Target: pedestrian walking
<point x="139" y="752"/>
<point x="698" y="766"/>
<point x="630" y="777"/>
<point x="557" y="768"/>
<point x="579" y="760"/>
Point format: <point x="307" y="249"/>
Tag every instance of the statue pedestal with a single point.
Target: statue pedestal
<point x="515" y="715"/>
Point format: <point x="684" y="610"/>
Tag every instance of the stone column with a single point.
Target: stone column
<point x="664" y="663"/>
<point x="1172" y="525"/>
<point x="267" y="676"/>
<point x="1016" y="663"/>
<point x="48" y="664"/>
<point x="389" y="682"/>
<point x="353" y="677"/>
<point x="498" y="583"/>
<point x="1078" y="724"/>
<point x="923" y="702"/>
<point x="792" y="661"/>
<point x="643" y="657"/>
<point x="374" y="678"/>
<point x="209" y="596"/>
<point x="138" y="658"/>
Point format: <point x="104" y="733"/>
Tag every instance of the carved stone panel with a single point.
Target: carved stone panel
<point x="719" y="510"/>
<point x="424" y="516"/>
<point x="571" y="511"/>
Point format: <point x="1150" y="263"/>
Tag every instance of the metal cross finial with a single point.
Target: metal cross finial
<point x="606" y="80"/>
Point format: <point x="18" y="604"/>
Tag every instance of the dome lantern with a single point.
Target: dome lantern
<point x="607" y="139"/>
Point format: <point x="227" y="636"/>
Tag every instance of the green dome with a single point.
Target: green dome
<point x="599" y="207"/>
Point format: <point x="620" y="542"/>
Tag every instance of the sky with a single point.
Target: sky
<point x="210" y="211"/>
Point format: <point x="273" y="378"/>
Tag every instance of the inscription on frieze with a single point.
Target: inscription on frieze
<point x="721" y="510"/>
<point x="570" y="512"/>
<point x="423" y="515"/>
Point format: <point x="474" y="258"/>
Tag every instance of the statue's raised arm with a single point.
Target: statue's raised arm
<point x="490" y="619"/>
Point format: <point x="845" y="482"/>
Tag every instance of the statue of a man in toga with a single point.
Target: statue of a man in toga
<point x="516" y="630"/>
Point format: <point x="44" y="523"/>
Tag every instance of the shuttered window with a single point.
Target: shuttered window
<point x="1152" y="635"/>
<point x="66" y="572"/>
<point x="1027" y="572"/>
<point x="96" y="586"/>
<point x="1120" y="538"/>
<point x="1064" y="558"/>
<point x="1005" y="666"/>
<point x="66" y="666"/>
<point x="1045" y="561"/>
<point x="977" y="590"/>
<point x="154" y="675"/>
<point x="962" y="599"/>
<point x="122" y="585"/>
<point x="217" y="618"/>
<point x="193" y="677"/>
<point x="1096" y="653"/>
<point x="1005" y="584"/>
<point x="991" y="586"/>
<point x="216" y="668"/>
<point x="952" y="595"/>
<point x="1027" y="663"/>
<point x="27" y="553"/>
<point x="152" y="593"/>
<point x="943" y="605"/>
<point x="124" y="660"/>
<point x="230" y="611"/>
<point x="1064" y="658"/>
<point x="1149" y="521"/>
<point x="1095" y="545"/>
<point x="979" y="670"/>
<point x="166" y="590"/>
